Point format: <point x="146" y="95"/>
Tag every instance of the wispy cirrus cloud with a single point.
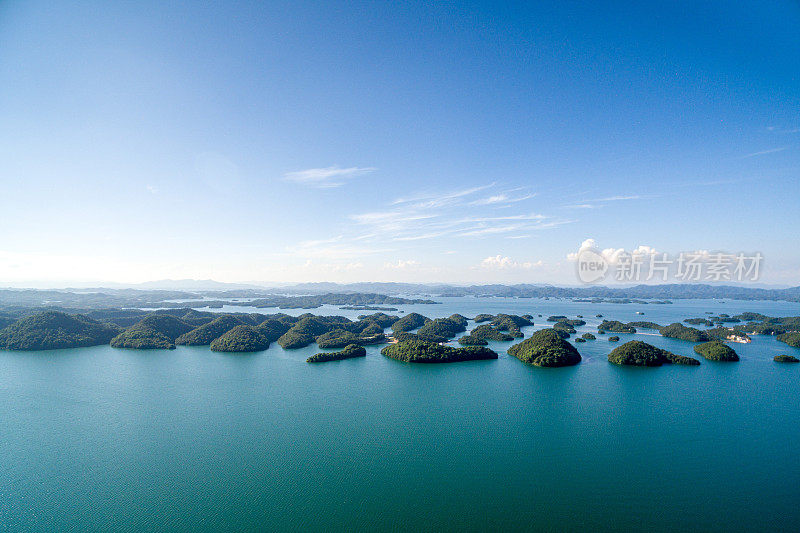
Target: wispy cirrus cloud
<point x="441" y="199"/>
<point x="596" y="203"/>
<point x="765" y="152"/>
<point x="505" y="198"/>
<point x="337" y="247"/>
<point x="327" y="177"/>
<point x="412" y="220"/>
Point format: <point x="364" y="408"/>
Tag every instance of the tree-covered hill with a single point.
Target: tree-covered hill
<point x="716" y="351"/>
<point x="51" y="330"/>
<point x="350" y="351"/>
<point x="638" y="353"/>
<point x="416" y="351"/>
<point x="241" y="338"/>
<point x="410" y="322"/>
<point x="546" y="348"/>
<point x="207" y="333"/>
<point x="684" y="333"/>
<point x="155" y="331"/>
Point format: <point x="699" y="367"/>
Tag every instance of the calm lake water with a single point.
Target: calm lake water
<point x="193" y="440"/>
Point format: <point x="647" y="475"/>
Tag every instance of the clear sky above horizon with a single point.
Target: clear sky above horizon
<point x="373" y="141"/>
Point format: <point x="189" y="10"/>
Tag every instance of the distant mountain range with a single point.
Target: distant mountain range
<point x="668" y="291"/>
<point x="158" y="291"/>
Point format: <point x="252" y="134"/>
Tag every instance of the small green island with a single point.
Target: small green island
<point x="645" y="325"/>
<point x="684" y="333"/>
<point x="783" y="358"/>
<point x="546" y="348"/>
<point x="638" y="353"/>
<point x="716" y="351"/>
<point x="350" y="351"/>
<point x="419" y="351"/>
<point x="241" y="338"/>
<point x="615" y="326"/>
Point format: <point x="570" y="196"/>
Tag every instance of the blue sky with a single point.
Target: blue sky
<point x="464" y="142"/>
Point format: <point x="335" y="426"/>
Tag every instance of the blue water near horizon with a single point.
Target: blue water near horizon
<point x="192" y="440"/>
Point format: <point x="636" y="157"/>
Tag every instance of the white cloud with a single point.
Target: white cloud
<point x="326" y="178"/>
<point x="609" y="254"/>
<point x="499" y="262"/>
<point x="332" y="267"/>
<point x="402" y="265"/>
<point x="152" y="189"/>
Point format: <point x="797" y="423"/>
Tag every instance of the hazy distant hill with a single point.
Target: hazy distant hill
<point x="669" y="291"/>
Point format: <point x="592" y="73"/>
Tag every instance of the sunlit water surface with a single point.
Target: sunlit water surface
<point x="103" y="438"/>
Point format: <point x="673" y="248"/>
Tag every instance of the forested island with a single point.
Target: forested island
<point x="716" y="351"/>
<point x="615" y="326"/>
<point x="638" y="353"/>
<point x="350" y="351"/>
<point x="685" y="333"/>
<point x="417" y="351"/>
<point x="413" y="337"/>
<point x="545" y="348"/>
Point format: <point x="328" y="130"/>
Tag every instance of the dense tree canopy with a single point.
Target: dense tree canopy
<point x="272" y="329"/>
<point x="382" y="319"/>
<point x="546" y="348"/>
<point x="410" y="322"/>
<point x="442" y="327"/>
<point x="792" y="338"/>
<point x="350" y="351"/>
<point x="416" y="351"/>
<point x="53" y="329"/>
<point x="490" y="333"/>
<point x="644" y="325"/>
<point x="684" y="333"/>
<point x="207" y="333"/>
<point x="716" y="351"/>
<point x="241" y="338"/>
<point x="615" y="326"/>
<point x="638" y="353"/>
<point x="470" y="340"/>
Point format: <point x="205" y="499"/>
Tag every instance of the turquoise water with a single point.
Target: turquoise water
<point x="101" y="438"/>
